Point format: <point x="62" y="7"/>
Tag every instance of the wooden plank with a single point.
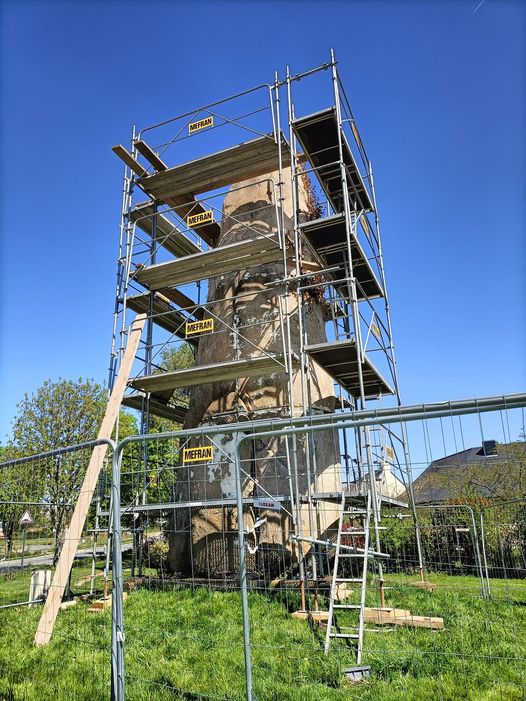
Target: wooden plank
<point x="158" y="407"/>
<point x="180" y="275"/>
<point x="150" y="155"/>
<point x="191" y="307"/>
<point x="74" y="532"/>
<point x="431" y="622"/>
<point x="164" y="315"/>
<point x="104" y="603"/>
<point x="177" y="186"/>
<point x="217" y="372"/>
<point x="130" y="161"/>
<point x="167" y="235"/>
<point x="308" y="266"/>
<point x="249" y="253"/>
<point x="316" y="616"/>
<point x="327" y="238"/>
<point x="385" y="616"/>
<point x="187" y="204"/>
<point x="401" y="617"/>
<point x="428" y="586"/>
<point x="251" y="159"/>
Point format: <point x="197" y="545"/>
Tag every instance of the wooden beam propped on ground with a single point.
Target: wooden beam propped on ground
<point x="74" y="532"/>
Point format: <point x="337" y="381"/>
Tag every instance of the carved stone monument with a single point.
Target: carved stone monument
<point x="249" y="310"/>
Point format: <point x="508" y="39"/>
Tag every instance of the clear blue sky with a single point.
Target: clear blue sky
<point x="439" y="95"/>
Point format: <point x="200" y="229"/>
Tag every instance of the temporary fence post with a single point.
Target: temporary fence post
<point x="485" y="560"/>
<point x="117" y="622"/>
<point x="243" y="574"/>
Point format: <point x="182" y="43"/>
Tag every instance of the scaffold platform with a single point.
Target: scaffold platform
<point x="340" y="360"/>
<point x="157" y="406"/>
<point x="318" y="136"/>
<point x="167" y="234"/>
<point x="226" y="502"/>
<point x="328" y="238"/>
<point x="216" y="372"/>
<point x="184" y="205"/>
<point x="356" y="496"/>
<point x="251" y="159"/>
<point x="250" y="253"/>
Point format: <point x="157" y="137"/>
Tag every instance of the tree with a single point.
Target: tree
<point x="57" y="415"/>
<point x="179" y="358"/>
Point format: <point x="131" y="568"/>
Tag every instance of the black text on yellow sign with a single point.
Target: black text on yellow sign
<point x="200" y="124"/>
<point x="202" y="454"/>
<point x="194" y="220"/>
<point x="203" y="326"/>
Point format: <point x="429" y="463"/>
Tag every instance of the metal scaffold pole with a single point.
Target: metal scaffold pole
<point x="351" y="222"/>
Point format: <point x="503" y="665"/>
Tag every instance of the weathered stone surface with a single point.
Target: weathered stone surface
<point x="249" y="323"/>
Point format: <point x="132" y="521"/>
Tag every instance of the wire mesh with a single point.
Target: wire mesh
<point x="456" y="632"/>
<point x="441" y="632"/>
<point x="38" y="495"/>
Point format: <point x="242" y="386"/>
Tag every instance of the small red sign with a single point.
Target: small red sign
<point x="26" y="519"/>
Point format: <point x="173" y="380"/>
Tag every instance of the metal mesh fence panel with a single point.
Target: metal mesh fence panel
<point x="258" y="563"/>
<point x="38" y="497"/>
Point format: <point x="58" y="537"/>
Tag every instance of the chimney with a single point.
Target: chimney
<point x="489" y="448"/>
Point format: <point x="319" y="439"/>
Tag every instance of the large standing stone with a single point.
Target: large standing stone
<point x="248" y="321"/>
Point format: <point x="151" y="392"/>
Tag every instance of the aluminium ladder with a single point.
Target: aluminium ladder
<point x="352" y="554"/>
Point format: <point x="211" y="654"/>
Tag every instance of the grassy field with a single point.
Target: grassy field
<point x="188" y="645"/>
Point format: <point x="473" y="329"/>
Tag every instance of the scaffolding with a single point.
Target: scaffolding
<point x="316" y="235"/>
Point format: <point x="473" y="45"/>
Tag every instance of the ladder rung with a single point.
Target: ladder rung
<point x="351" y="555"/>
<point x="355" y="636"/>
<point x="349" y="579"/>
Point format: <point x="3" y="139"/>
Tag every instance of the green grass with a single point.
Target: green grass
<point x="14" y="585"/>
<point x="188" y="645"/>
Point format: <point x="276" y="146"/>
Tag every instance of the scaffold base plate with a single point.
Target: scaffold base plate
<point x="357" y="674"/>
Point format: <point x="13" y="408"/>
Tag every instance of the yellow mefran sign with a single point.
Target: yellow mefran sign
<point x="201" y="454"/>
<point x="200" y="124"/>
<point x="193" y="220"/>
<point x="203" y="326"/>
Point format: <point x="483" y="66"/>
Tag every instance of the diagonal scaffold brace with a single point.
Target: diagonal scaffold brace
<point x="78" y="520"/>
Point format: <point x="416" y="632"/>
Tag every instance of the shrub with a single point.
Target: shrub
<point x="155" y="553"/>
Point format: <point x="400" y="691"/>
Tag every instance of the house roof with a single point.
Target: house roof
<point x="432" y="485"/>
<point x="464" y="457"/>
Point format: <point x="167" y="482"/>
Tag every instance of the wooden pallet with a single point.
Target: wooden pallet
<point x="401" y="617"/>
